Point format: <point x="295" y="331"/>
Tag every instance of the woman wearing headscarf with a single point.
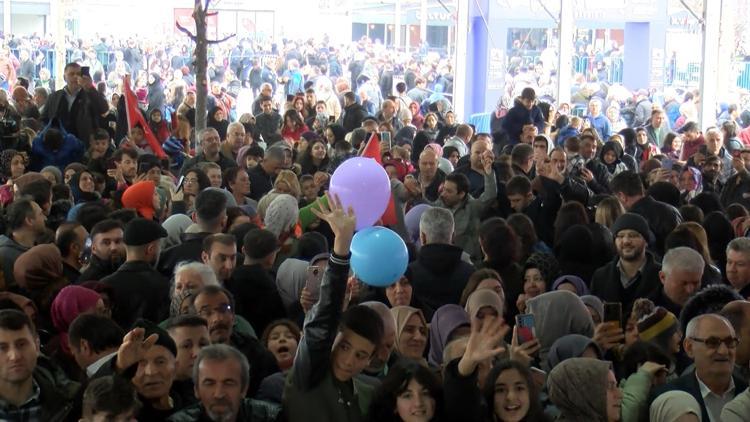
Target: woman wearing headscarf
<point x="83" y="188"/>
<point x="158" y="125"/>
<point x="281" y="219"/>
<point x="67" y="305"/>
<point x="143" y="198"/>
<point x="568" y="380"/>
<point x="218" y="120"/>
<point x="691" y="184"/>
<point x="557" y="314"/>
<point x="40" y="272"/>
<point x="595" y="307"/>
<point x="411" y="333"/>
<point x="679" y="406"/>
<point x="572" y="346"/>
<point x="448" y="323"/>
<point x="571" y="283"/>
<point x="175" y="226"/>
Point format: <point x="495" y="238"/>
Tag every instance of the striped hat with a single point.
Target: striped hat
<point x="659" y="325"/>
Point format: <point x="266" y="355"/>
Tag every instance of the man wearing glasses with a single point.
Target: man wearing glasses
<point x="712" y="343"/>
<point x="215" y="304"/>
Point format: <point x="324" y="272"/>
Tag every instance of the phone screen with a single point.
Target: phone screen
<point x="314" y="275"/>
<point x="525" y="327"/>
<point x="180" y="182"/>
<point x="386" y="136"/>
<point x="667" y="164"/>
<point x="613" y="312"/>
<point x="85" y="71"/>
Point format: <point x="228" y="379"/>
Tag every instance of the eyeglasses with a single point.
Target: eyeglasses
<point x="715" y="342"/>
<point x="207" y="313"/>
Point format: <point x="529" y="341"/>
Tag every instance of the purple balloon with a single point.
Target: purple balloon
<point x="411" y="219"/>
<point x="364" y="185"/>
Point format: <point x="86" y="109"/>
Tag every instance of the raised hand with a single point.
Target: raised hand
<point x="133" y="348"/>
<point x="608" y="335"/>
<point x="488" y="158"/>
<point x="342" y="222"/>
<point x="483" y="344"/>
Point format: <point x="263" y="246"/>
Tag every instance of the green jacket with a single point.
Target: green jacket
<point x="635" y="390"/>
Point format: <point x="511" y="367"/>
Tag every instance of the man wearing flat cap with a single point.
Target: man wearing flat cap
<point x="147" y="358"/>
<point x="139" y="290"/>
<point x="633" y="273"/>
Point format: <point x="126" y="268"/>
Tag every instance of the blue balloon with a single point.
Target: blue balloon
<point x="379" y="256"/>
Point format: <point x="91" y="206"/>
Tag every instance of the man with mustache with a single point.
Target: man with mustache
<point x="215" y="304"/>
<point x="221" y="382"/>
<point x="633" y="273"/>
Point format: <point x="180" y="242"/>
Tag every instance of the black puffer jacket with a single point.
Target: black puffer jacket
<point x="439" y="276"/>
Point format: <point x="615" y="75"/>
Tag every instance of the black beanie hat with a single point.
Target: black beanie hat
<point x="631" y="221"/>
<point x="164" y="340"/>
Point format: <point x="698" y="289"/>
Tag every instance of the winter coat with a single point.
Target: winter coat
<point x="518" y="116"/>
<point x="439" y="276"/>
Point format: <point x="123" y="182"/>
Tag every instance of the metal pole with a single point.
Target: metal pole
<point x="461" y="71"/>
<point x="423" y="22"/>
<point x="397" y="26"/>
<point x="6" y="17"/>
<point x="710" y="59"/>
<point x="564" y="51"/>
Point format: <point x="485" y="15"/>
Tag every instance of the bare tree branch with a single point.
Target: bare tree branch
<point x="208" y="2"/>
<point x="186" y="31"/>
<point x="221" y="40"/>
<point x="211" y="14"/>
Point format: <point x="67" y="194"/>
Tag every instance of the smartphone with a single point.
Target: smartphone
<point x="313" y="277"/>
<point x="85" y="71"/>
<point x="613" y="313"/>
<point x="667" y="163"/>
<point x="386" y="136"/>
<point x="525" y="328"/>
<point x="331" y="119"/>
<point x="86" y="253"/>
<point x="180" y="182"/>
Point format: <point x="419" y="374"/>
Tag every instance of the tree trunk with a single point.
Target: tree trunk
<point x="200" y="60"/>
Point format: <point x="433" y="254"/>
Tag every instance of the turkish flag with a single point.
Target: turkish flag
<point x="135" y="117"/>
<point x="372" y="150"/>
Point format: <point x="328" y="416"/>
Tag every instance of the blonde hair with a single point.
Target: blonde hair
<point x="288" y="178"/>
<point x="608" y="210"/>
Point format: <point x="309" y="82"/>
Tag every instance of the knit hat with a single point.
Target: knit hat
<point x="164" y="339"/>
<point x="631" y="221"/>
<point x="140" y="197"/>
<point x="660" y="323"/>
<point x="54" y="170"/>
<point x="281" y="214"/>
<point x="140" y="231"/>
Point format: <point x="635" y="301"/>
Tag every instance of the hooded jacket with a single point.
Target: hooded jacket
<point x="439" y="276"/>
<point x="518" y="116"/>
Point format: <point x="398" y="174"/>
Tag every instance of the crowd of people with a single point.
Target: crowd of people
<point x="561" y="267"/>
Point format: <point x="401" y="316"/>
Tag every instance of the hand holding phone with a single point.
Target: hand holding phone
<point x="314" y="275"/>
<point x="613" y="313"/>
<point x="525" y="328"/>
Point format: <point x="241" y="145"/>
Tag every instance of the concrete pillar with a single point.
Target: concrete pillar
<point x="710" y="60"/>
<point x="565" y="51"/>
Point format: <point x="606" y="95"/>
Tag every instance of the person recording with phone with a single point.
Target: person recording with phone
<point x="77" y="106"/>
